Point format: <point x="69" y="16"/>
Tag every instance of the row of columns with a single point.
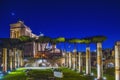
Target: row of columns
<point x="13" y="58"/>
<point x="74" y="60"/>
<point x="15" y="34"/>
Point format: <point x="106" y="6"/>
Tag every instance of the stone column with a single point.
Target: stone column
<point x="10" y="57"/>
<point x="18" y="58"/>
<point x="80" y="65"/>
<point x="21" y="59"/>
<point x="88" y="61"/>
<point x="69" y="60"/>
<point x="18" y="34"/>
<point x="117" y="61"/>
<point x="67" y="55"/>
<point x="34" y="50"/>
<point x="99" y="62"/>
<point x="4" y="59"/>
<point x="15" y="34"/>
<point x="65" y="59"/>
<point x="12" y="34"/>
<point x="15" y="61"/>
<point x="73" y="61"/>
<point x="38" y="46"/>
<point x="76" y="58"/>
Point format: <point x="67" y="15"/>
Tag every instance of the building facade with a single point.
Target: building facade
<point x="20" y="29"/>
<point x="31" y="49"/>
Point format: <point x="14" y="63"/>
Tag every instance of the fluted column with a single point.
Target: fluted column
<point x="88" y="61"/>
<point x="4" y="59"/>
<point x="99" y="62"/>
<point x="80" y="65"/>
<point x="117" y="61"/>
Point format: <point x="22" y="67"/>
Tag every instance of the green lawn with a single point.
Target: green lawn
<point x="37" y="74"/>
<point x="72" y="75"/>
<point x="16" y="75"/>
<point x="108" y="73"/>
<point x="68" y="74"/>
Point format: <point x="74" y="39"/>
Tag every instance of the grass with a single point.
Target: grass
<point x="16" y="75"/>
<point x="110" y="73"/>
<point x="68" y="74"/>
<point x="72" y="75"/>
<point x="37" y="74"/>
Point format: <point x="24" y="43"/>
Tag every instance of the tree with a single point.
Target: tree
<point x="24" y="40"/>
<point x="60" y="40"/>
<point x="55" y="41"/>
<point x="99" y="38"/>
<point x="74" y="41"/>
<point x="43" y="39"/>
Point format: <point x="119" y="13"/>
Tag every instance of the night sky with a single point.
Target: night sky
<point x="71" y="19"/>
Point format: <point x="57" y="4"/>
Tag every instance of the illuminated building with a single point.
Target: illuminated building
<point x="31" y="49"/>
<point x="20" y="29"/>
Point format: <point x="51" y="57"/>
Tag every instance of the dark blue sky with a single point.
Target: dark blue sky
<point x="64" y="18"/>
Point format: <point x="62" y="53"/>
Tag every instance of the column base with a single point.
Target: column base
<point x="100" y="79"/>
<point x="91" y="74"/>
<point x="88" y="74"/>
